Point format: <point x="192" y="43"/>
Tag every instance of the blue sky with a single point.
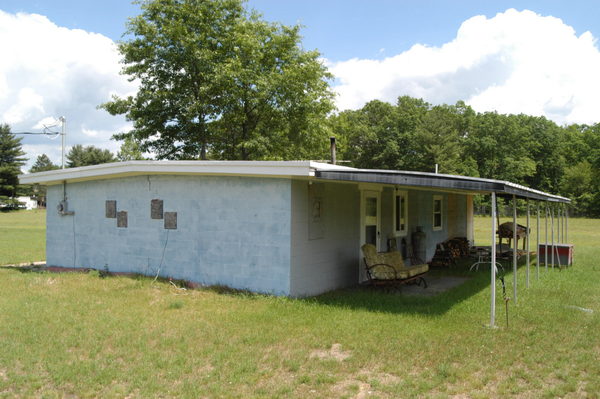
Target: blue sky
<point x="534" y="57"/>
<point x="339" y="29"/>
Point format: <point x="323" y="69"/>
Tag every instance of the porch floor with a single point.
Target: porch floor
<point x="435" y="285"/>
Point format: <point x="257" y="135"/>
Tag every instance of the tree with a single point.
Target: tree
<point x="11" y="160"/>
<point x="368" y="137"/>
<point x="89" y="155"/>
<point x="412" y="135"/>
<point x="43" y="164"/>
<point x="499" y="145"/>
<point x="130" y="150"/>
<point x="217" y="81"/>
<point x="578" y="184"/>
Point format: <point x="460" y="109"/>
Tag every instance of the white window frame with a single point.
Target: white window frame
<point x="396" y="194"/>
<point x="441" y="212"/>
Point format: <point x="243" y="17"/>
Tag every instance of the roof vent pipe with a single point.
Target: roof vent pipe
<point x="436" y="168"/>
<point x="332" y="147"/>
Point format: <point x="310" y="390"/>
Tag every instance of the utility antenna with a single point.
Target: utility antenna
<point x="63" y="135"/>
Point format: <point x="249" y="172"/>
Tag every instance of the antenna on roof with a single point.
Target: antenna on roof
<point x="63" y="135"/>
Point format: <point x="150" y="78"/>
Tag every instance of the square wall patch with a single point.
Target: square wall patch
<point x="156" y="209"/>
<point x="171" y="220"/>
<point x="122" y="219"/>
<point x="111" y="209"/>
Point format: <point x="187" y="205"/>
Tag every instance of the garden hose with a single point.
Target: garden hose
<point x="506" y="299"/>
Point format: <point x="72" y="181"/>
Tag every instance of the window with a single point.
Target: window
<point x="437" y="212"/>
<point x="400" y="213"/>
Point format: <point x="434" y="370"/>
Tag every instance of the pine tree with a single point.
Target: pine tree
<point x="42" y="164"/>
<point x="11" y="160"/>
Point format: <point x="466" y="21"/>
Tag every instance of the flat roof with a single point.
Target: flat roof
<point x="136" y="168"/>
<point x="438" y="181"/>
<point x="308" y="169"/>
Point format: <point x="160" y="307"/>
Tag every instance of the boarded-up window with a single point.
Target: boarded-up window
<point x="171" y="220"/>
<point x="156" y="209"/>
<point x="111" y="209"/>
<point x="122" y="219"/>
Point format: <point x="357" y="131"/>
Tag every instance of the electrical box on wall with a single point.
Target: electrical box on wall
<point x="63" y="208"/>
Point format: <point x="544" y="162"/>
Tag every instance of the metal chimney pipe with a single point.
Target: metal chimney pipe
<point x="332" y="147"/>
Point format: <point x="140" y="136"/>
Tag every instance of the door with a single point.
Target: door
<point x="370" y="224"/>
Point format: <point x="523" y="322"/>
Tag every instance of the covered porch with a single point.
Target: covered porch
<point x="442" y="205"/>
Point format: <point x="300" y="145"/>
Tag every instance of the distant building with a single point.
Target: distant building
<point x="27" y="203"/>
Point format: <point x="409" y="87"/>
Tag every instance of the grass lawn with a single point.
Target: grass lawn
<point x="80" y="335"/>
<point x="22" y="236"/>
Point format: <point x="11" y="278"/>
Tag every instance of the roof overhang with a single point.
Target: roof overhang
<point x="303" y="169"/>
<point x="136" y="168"/>
<point x="439" y="182"/>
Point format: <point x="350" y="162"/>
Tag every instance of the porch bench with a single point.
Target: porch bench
<point x="385" y="268"/>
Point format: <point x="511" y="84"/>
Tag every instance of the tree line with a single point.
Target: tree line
<point x="529" y="150"/>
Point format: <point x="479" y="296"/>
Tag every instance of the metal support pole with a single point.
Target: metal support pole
<point x="537" y="242"/>
<point x="566" y="223"/>
<point x="493" y="265"/>
<point x="527" y="238"/>
<point x="515" y="247"/>
<point x="559" y="223"/>
<point x="552" y="234"/>
<point x="564" y="206"/>
<point x="546" y="242"/>
<point x="562" y="223"/>
<point x="63" y="136"/>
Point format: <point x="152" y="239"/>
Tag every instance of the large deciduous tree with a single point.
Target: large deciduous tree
<point x="11" y="160"/>
<point x="216" y="81"/>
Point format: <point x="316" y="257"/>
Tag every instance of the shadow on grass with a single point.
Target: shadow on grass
<point x="376" y="299"/>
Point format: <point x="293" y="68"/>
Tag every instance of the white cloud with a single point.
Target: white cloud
<point x="47" y="71"/>
<point x="515" y="62"/>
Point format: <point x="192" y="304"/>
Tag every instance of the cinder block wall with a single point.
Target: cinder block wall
<point x="325" y="241"/>
<point x="233" y="231"/>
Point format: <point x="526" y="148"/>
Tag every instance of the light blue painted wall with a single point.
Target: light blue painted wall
<point x="233" y="231"/>
<point x="420" y="213"/>
<point x="461" y="216"/>
<point x="331" y="259"/>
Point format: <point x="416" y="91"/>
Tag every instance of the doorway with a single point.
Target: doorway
<point x="370" y="224"/>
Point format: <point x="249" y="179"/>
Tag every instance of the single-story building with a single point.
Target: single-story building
<point x="281" y="227"/>
<point x="27" y="203"/>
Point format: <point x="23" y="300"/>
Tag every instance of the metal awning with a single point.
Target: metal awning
<point x="438" y="181"/>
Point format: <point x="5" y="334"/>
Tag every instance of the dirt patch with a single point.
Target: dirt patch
<point x="364" y="384"/>
<point x="382" y="378"/>
<point x="206" y="369"/>
<point x="348" y="387"/>
<point x="334" y="353"/>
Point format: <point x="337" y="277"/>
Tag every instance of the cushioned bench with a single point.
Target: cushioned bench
<point x="389" y="268"/>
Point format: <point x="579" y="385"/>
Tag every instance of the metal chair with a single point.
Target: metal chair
<point x="484" y="257"/>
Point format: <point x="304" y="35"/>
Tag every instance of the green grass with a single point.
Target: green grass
<point x="80" y="335"/>
<point x="22" y="236"/>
